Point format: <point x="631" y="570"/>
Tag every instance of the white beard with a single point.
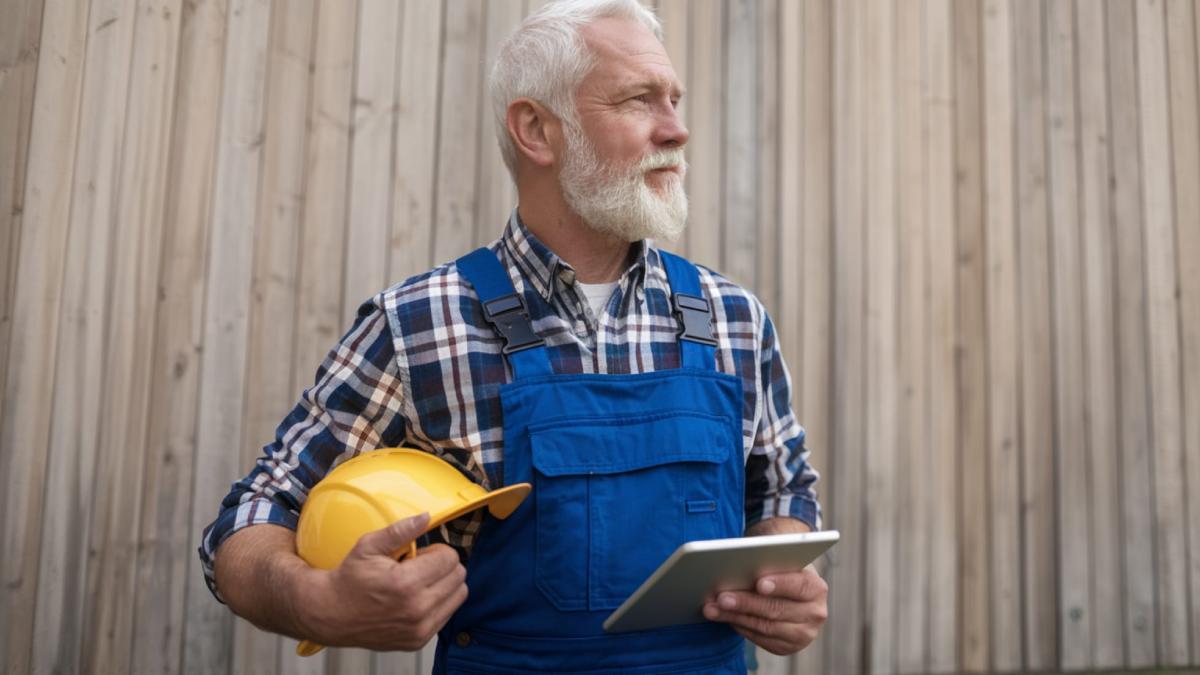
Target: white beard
<point x="618" y="202"/>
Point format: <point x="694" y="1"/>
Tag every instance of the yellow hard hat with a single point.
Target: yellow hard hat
<point x="376" y="489"/>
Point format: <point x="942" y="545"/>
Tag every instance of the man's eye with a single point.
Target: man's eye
<point x="641" y="98"/>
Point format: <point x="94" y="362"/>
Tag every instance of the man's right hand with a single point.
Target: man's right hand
<point x="374" y="601"/>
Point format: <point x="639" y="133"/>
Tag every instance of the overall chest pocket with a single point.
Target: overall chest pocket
<point x="615" y="497"/>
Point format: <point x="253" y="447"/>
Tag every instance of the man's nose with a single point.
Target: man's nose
<point x="671" y="131"/>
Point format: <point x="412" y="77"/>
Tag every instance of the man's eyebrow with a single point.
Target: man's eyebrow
<point x="653" y="84"/>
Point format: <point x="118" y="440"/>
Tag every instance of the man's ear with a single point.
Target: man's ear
<point x="534" y="131"/>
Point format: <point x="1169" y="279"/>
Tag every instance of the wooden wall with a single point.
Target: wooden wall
<point x="976" y="223"/>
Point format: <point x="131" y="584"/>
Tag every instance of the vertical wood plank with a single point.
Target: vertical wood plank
<point x="138" y="187"/>
<point x="166" y="554"/>
<point x="372" y="160"/>
<point x="1163" y="318"/>
<point x="944" y="618"/>
<point x="913" y="494"/>
<point x="19" y="37"/>
<point x="739" y="218"/>
<point x="1125" y="194"/>
<point x="847" y="631"/>
<point x="1099" y="328"/>
<point x="1037" y="442"/>
<point x="1182" y="65"/>
<point x="458" y="131"/>
<point x="880" y="339"/>
<point x="1004" y="402"/>
<point x="971" y="342"/>
<point x="706" y="63"/>
<point x="420" y="74"/>
<point x="268" y="388"/>
<point x="319" y="312"/>
<point x="768" y="255"/>
<point x="789" y="303"/>
<point x="226" y="320"/>
<point x="816" y="256"/>
<point x="497" y="193"/>
<point x="57" y="524"/>
<point x="1074" y="599"/>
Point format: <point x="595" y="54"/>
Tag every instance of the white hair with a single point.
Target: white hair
<point x="545" y="59"/>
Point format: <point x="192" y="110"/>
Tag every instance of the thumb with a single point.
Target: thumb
<point x="389" y="540"/>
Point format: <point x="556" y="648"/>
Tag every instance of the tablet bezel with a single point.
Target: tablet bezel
<point x="675" y="593"/>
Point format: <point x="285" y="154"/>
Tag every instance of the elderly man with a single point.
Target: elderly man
<point x="648" y="403"/>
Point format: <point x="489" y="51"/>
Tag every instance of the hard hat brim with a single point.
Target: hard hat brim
<point x="500" y="503"/>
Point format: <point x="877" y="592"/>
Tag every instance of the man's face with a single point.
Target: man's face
<point x="623" y="168"/>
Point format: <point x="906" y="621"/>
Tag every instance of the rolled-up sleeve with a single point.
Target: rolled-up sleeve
<point x="779" y="479"/>
<point x="354" y="405"/>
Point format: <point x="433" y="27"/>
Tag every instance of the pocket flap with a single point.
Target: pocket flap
<point x="564" y="448"/>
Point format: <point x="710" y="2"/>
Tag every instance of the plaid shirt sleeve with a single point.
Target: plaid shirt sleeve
<point x="353" y="406"/>
<point x="779" y="479"/>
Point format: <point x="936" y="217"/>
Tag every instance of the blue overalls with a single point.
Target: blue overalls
<point x="624" y="468"/>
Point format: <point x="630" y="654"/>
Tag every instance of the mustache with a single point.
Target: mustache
<point x="663" y="159"/>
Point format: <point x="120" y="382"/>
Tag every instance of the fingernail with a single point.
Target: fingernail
<point x="711" y="611"/>
<point x="727" y="601"/>
<point x="766" y="587"/>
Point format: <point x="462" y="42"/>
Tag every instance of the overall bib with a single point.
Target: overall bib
<point x="624" y="468"/>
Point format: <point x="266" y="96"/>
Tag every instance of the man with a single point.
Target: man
<point x="650" y="406"/>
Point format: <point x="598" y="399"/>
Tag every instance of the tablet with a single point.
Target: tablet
<point x="676" y="592"/>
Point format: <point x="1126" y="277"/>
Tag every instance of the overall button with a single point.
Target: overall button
<point x="463" y="639"/>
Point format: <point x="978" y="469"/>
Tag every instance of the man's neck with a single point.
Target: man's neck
<point x="597" y="257"/>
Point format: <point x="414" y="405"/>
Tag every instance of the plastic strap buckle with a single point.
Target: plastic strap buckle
<point x="695" y="317"/>
<point x="508" y="314"/>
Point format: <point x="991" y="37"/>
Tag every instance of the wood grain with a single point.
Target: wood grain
<point x="1182" y="65"/>
<point x="321" y="257"/>
<point x="705" y="150"/>
<point x="943" y="471"/>
<point x="165" y="545"/>
<point x="881" y="457"/>
<point x="1037" y="386"/>
<point x="1125" y="194"/>
<point x="1162" y="311"/>
<point x="29" y="389"/>
<point x="19" y="36"/>
<point x="459" y="127"/>
<point x="1073" y="502"/>
<point x="1001" y="280"/>
<point x="226" y="314"/>
<point x="80" y="476"/>
<point x="847" y="440"/>
<point x="1099" y="330"/>
<point x="741" y="224"/>
<point x="412" y="228"/>
<point x="971" y="342"/>
<point x="913" y="496"/>
<point x="372" y="153"/>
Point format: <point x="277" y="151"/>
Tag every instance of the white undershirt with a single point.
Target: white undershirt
<point x="597" y="295"/>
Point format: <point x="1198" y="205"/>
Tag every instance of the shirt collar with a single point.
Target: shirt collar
<point x="540" y="266"/>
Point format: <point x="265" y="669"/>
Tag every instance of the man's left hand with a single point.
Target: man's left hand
<point x="782" y="615"/>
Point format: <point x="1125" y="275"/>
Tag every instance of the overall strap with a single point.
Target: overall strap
<point x="697" y="346"/>
<point x="505" y="310"/>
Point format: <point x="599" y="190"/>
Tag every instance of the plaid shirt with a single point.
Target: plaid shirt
<point x="408" y="373"/>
